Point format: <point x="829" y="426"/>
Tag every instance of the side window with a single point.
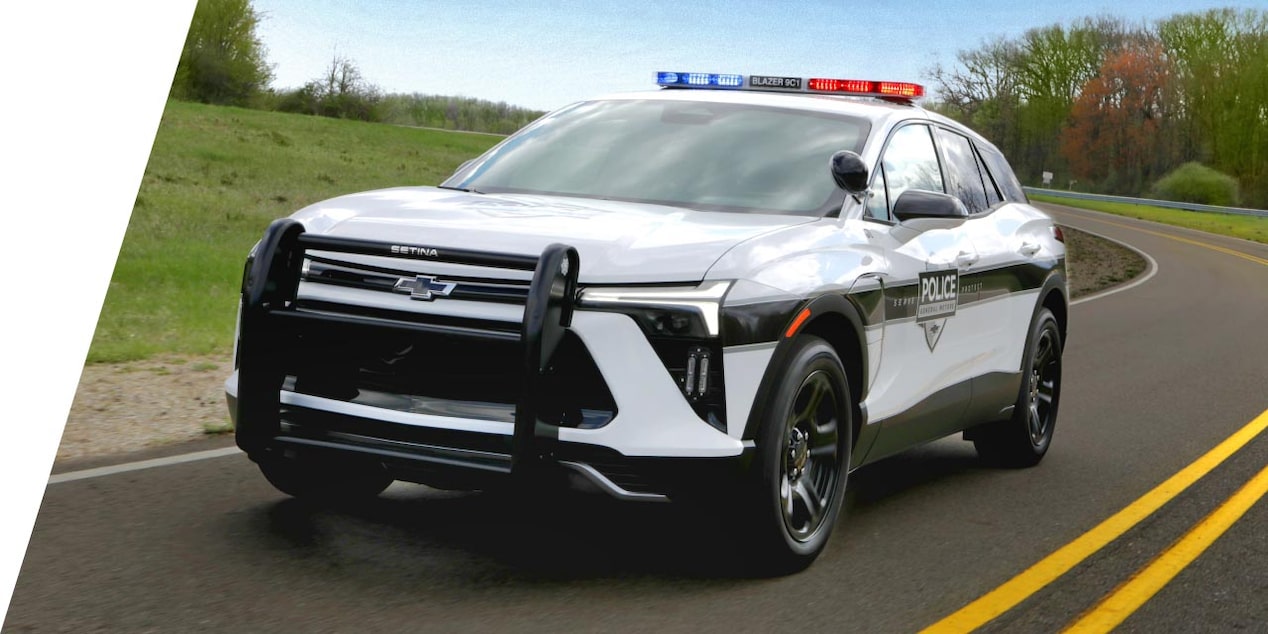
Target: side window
<point x="911" y="162"/>
<point x="992" y="192"/>
<point x="1003" y="174"/>
<point x="877" y="202"/>
<point x="964" y="180"/>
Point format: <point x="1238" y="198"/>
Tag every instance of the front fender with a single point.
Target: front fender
<point x="834" y="317"/>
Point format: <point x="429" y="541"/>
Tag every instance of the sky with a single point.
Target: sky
<point x="544" y="55"/>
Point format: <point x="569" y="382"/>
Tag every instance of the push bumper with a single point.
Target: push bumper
<point x="646" y="451"/>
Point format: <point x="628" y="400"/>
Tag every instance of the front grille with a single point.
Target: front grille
<point x="375" y="278"/>
<point x="424" y="373"/>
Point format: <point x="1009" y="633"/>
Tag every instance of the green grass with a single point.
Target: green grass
<point x="216" y="177"/>
<point x="1246" y="227"/>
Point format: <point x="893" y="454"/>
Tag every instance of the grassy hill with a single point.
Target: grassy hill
<point x="216" y="177"/>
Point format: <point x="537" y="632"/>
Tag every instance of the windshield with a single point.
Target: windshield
<point x="707" y="156"/>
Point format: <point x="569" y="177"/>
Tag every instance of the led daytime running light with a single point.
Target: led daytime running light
<point x="703" y="300"/>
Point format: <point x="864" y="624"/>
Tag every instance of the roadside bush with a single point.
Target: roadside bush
<point x="1197" y="183"/>
<point x="298" y="100"/>
<point x="456" y="113"/>
<point x="341" y="93"/>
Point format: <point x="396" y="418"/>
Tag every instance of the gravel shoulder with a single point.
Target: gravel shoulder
<point x="1094" y="263"/>
<point x="127" y="407"/>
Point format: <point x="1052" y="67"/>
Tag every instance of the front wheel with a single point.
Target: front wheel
<point x="1023" y="440"/>
<point x="325" y="480"/>
<point x="802" y="461"/>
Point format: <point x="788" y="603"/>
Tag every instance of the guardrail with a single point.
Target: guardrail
<point x="1241" y="211"/>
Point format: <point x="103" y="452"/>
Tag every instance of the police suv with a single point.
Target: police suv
<point x="734" y="289"/>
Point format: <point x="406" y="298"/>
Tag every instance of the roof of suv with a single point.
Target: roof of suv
<point x="871" y="108"/>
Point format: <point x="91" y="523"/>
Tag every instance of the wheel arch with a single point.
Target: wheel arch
<point x="837" y="320"/>
<point x="1053" y="297"/>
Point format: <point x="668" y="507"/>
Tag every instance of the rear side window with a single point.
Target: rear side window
<point x="992" y="192"/>
<point x="963" y="179"/>
<point x="1003" y="174"/>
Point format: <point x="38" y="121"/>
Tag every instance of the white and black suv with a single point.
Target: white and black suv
<point x="737" y="287"/>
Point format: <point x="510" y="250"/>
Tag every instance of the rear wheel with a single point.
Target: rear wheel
<point x="323" y="479"/>
<point x="802" y="460"/>
<point x="1023" y="440"/>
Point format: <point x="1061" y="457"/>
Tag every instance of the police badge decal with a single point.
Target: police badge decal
<point x="937" y="300"/>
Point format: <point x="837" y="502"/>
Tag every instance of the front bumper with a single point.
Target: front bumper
<point x="653" y="440"/>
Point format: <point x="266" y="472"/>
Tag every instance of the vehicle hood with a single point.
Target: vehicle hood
<point x="618" y="242"/>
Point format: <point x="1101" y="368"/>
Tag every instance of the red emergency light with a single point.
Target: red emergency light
<point x="866" y="87"/>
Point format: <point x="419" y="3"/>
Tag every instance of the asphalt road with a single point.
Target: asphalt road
<point x="1155" y="377"/>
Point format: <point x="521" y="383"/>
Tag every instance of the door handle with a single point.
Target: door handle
<point x="1028" y="249"/>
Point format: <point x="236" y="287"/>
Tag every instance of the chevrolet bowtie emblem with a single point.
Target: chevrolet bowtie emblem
<point x="423" y="287"/>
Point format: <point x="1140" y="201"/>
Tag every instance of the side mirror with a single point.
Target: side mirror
<point x="849" y="172"/>
<point x="918" y="203"/>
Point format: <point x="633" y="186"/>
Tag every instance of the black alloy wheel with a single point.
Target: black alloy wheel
<point x="802" y="460"/>
<point x="811" y="456"/>
<point x="1043" y="384"/>
<point x="1023" y="440"/>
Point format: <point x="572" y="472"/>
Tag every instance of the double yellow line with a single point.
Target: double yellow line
<point x="1130" y="596"/>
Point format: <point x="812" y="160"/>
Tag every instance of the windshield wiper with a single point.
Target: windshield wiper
<point x="468" y="190"/>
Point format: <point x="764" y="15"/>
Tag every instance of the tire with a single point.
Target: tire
<point x="1023" y="440"/>
<point x="325" y="480"/>
<point x="797" y="484"/>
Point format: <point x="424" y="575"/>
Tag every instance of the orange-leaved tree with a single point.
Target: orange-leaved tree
<point x="1118" y="134"/>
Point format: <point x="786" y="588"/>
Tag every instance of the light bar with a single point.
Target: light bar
<point x="886" y="89"/>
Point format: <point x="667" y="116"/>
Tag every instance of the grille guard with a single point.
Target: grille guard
<point x="268" y="308"/>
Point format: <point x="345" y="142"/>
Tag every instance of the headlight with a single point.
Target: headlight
<point x="682" y="326"/>
<point x="681" y="311"/>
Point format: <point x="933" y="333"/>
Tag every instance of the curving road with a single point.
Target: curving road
<point x="1156" y="376"/>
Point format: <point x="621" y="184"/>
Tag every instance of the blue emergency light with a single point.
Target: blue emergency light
<point x="699" y="80"/>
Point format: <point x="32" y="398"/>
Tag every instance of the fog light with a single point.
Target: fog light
<point x="696" y="382"/>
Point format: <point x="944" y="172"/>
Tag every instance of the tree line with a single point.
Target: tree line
<point x="224" y="62"/>
<point x="1120" y="108"/>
